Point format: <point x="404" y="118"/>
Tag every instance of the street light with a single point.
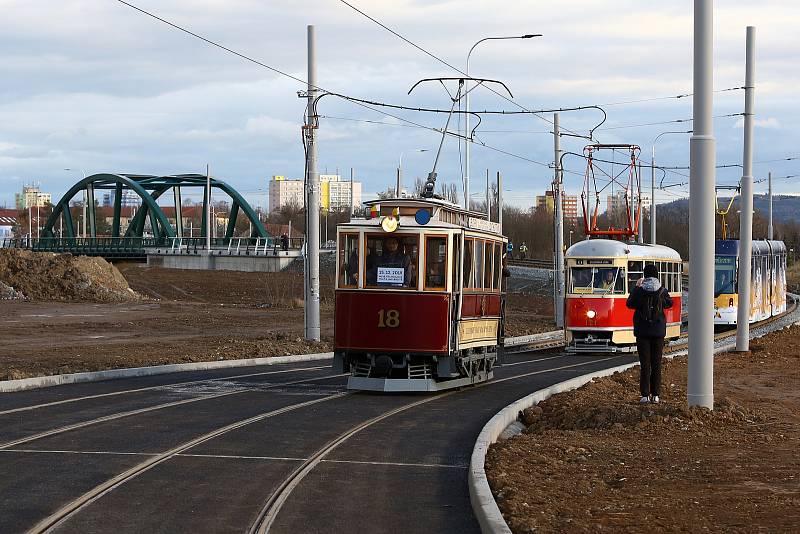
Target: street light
<point x="84" y="200"/>
<point x="653" y="184"/>
<point x="400" y="169"/>
<point x="466" y="103"/>
<point x="570" y="238"/>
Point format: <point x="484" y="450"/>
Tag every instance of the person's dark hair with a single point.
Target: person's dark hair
<point x="650" y="271"/>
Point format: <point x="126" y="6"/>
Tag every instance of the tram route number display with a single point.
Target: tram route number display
<point x="391" y="275"/>
<point x="388" y="318"/>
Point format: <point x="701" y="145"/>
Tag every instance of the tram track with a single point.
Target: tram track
<point x="284" y="489"/>
<point x="130" y="413"/>
<point x="152" y="388"/>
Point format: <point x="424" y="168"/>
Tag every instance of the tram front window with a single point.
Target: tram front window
<point x="597" y="281"/>
<point x="392" y="261"/>
<point x="724" y="276"/>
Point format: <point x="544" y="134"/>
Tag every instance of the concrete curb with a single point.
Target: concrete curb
<point x="7" y="386"/>
<point x="483" y="504"/>
<point x="480" y="494"/>
<point x="524" y="340"/>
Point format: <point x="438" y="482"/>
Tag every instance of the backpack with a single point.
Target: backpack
<point x="654" y="307"/>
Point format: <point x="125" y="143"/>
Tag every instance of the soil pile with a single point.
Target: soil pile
<point x="62" y="277"/>
<point x="594" y="459"/>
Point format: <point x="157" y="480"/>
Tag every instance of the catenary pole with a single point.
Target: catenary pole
<point x="700" y="386"/>
<point x="559" y="225"/>
<point x="770" y="234"/>
<point x="500" y="200"/>
<point x="488" y="201"/>
<point x="653" y="196"/>
<point x="208" y="208"/>
<point x="746" y="207"/>
<point x="311" y="308"/>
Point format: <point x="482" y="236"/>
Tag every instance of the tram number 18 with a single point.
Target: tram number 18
<point x="388" y="318"/>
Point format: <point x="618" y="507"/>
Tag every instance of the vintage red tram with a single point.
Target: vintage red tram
<point x="600" y="275"/>
<point x="419" y="298"/>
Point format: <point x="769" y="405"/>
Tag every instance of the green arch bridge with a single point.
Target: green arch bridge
<point x="150" y="226"/>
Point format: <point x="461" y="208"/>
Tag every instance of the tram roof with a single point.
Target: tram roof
<point x="730" y="247"/>
<point x="610" y="248"/>
<point x="443" y="214"/>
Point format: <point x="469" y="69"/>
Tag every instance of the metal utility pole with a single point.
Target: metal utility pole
<point x="500" y="200"/>
<point x="208" y="209"/>
<point x="488" y="200"/>
<point x="702" y="157"/>
<point x="559" y="226"/>
<point x="770" y="235"/>
<point x="746" y="206"/>
<point x="312" y="330"/>
<point x="351" y="193"/>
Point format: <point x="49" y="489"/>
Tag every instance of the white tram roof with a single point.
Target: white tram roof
<point x="443" y="215"/>
<point x="610" y="248"/>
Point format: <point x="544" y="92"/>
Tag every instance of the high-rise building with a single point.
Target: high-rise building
<point x="569" y="204"/>
<point x="616" y="203"/>
<point x="129" y="198"/>
<point x="31" y="197"/>
<point x="335" y="193"/>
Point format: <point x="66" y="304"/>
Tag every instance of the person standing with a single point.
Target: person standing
<point x="649" y="299"/>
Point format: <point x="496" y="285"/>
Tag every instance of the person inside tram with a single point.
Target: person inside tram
<point x="391" y="257"/>
<point x="607" y="280"/>
<point x="723" y="284"/>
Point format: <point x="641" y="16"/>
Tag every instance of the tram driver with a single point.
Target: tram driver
<point x="384" y="268"/>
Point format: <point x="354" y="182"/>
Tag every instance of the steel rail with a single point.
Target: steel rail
<point x="272" y="507"/>
<point x="66" y="511"/>
<point x="150" y="388"/>
<point x="139" y="411"/>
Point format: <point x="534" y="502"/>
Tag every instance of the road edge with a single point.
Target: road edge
<point x="22" y="384"/>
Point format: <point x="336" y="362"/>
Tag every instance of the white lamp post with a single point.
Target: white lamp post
<point x="466" y="107"/>
<point x="400" y="170"/>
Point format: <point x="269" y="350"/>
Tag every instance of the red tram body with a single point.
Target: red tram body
<point x="419" y="302"/>
<point x="600" y="275"/>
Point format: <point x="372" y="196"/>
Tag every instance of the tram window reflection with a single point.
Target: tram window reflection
<point x="469" y="249"/>
<point x="435" y="262"/>
<point x="391" y="261"/>
<point x="477" y="265"/>
<point x="348" y="260"/>
<point x="487" y="270"/>
<point x="598" y="281"/>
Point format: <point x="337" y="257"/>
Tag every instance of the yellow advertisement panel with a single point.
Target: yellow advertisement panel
<point x="478" y="332"/>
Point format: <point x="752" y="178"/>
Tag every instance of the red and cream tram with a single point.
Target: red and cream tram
<point x="600" y="275"/>
<point x="418" y="296"/>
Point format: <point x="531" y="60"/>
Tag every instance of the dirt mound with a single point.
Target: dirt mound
<point x="595" y="459"/>
<point x="611" y="403"/>
<point x="48" y="276"/>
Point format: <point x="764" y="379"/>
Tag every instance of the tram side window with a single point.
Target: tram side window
<point x="635" y="271"/>
<point x="348" y="260"/>
<point x="478" y="263"/>
<point x="469" y="252"/>
<point x="435" y="262"/>
<point x="488" y="261"/>
<point x="392" y="260"/>
<point x="498" y="266"/>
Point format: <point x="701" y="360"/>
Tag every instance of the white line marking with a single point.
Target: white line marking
<point x="398" y="464"/>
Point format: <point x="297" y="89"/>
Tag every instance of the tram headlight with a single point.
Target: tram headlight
<point x="591" y="314"/>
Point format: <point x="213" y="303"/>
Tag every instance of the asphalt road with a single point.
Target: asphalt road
<point x="215" y="451"/>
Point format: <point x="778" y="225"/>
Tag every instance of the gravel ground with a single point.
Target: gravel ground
<point x="594" y="459"/>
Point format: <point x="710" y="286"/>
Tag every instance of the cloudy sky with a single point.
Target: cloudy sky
<point x="94" y="85"/>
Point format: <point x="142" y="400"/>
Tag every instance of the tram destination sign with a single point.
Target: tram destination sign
<point x="483" y="224"/>
<point x="391" y="275"/>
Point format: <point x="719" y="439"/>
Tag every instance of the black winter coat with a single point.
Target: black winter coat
<point x="638" y="301"/>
